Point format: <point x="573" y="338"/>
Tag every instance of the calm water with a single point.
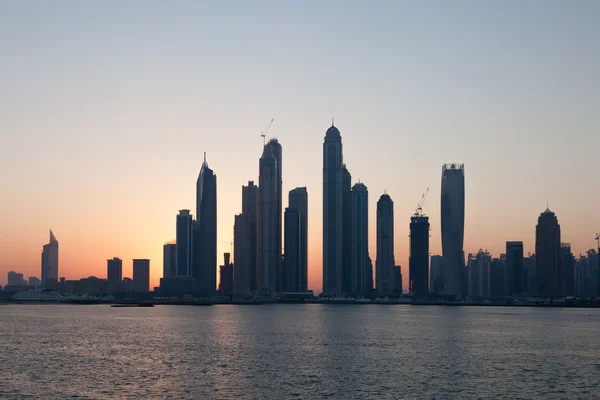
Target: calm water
<point x="298" y="351"/>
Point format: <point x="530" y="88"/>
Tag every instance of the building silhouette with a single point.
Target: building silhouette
<point x="360" y="241"/>
<point x="332" y="212"/>
<point x="478" y="273"/>
<point x="15" y="279"/>
<point x="50" y="262"/>
<point x="298" y="200"/>
<point x="205" y="232"/>
<point x="141" y="275"/>
<point x="346" y="272"/>
<point x="513" y="270"/>
<point x="169" y="260"/>
<point x="292" y="246"/>
<point x="250" y="229"/>
<point x="548" y="253"/>
<point x="385" y="262"/>
<point x="269" y="220"/>
<point x="184" y="247"/>
<point x="497" y="278"/>
<point x="114" y="270"/>
<point x="226" y="275"/>
<point x="567" y="264"/>
<point x="418" y="269"/>
<point x="398" y="280"/>
<point x="277" y="153"/>
<point x="436" y="275"/>
<point x="453" y="228"/>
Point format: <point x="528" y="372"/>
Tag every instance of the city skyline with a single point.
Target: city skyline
<point x="122" y="140"/>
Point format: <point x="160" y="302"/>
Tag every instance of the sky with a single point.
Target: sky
<point x="106" y="108"/>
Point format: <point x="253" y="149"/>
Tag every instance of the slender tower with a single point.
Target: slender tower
<point x="385" y="262"/>
<point x="50" y="262"/>
<point x="346" y="230"/>
<point x="453" y="228"/>
<point x="205" y="231"/>
<point x="418" y="261"/>
<point x="332" y="212"/>
<point x="298" y="200"/>
<point x="548" y="255"/>
<point x="361" y="262"/>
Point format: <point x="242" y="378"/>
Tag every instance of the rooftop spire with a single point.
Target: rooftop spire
<point x="52" y="238"/>
<point x="332" y="122"/>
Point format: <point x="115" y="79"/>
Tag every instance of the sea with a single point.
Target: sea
<point x="298" y="351"/>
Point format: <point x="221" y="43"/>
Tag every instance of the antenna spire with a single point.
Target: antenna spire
<point x="332" y="121"/>
<point x="204" y="157"/>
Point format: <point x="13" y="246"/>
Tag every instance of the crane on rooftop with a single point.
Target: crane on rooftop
<point x="264" y="133"/>
<point x="419" y="210"/>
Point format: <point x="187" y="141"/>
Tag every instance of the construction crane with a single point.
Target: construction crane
<point x="264" y="133"/>
<point x="419" y="210"/>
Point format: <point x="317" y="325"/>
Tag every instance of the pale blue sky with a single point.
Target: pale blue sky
<point x="107" y="106"/>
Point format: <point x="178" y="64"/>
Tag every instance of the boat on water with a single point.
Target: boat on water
<point x="133" y="305"/>
<point x="38" y="296"/>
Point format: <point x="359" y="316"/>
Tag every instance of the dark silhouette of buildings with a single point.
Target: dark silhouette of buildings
<point x="478" y="273"/>
<point x="15" y="279"/>
<point x="141" y="275"/>
<point x="250" y="213"/>
<point x="513" y="271"/>
<point x="226" y="275"/>
<point x="346" y="268"/>
<point x="436" y="277"/>
<point x="292" y="246"/>
<point x="169" y="260"/>
<point x="453" y="228"/>
<point x="114" y="270"/>
<point x="497" y="278"/>
<point x="184" y="245"/>
<point x="548" y="252"/>
<point x="242" y="234"/>
<point x="360" y="241"/>
<point x="398" y="280"/>
<point x="332" y="212"/>
<point x="568" y="269"/>
<point x="269" y="219"/>
<point x="385" y="262"/>
<point x="205" y="231"/>
<point x="50" y="262"/>
<point x="298" y="200"/>
<point x="418" y="269"/>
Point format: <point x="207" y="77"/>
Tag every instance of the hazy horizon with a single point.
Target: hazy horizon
<point x="108" y="107"/>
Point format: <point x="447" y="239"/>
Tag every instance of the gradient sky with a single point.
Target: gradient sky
<point x="106" y="108"/>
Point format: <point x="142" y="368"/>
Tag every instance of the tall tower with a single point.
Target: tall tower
<point x="453" y="228"/>
<point x="292" y="268"/>
<point x="548" y="254"/>
<point x="205" y="231"/>
<point x="418" y="269"/>
<point x="269" y="233"/>
<point x="241" y="252"/>
<point x="250" y="219"/>
<point x="114" y="270"/>
<point x="298" y="200"/>
<point x="385" y="262"/>
<point x="277" y="153"/>
<point x="332" y="212"/>
<point x="346" y="230"/>
<point x="141" y="275"/>
<point x="513" y="269"/>
<point x="184" y="233"/>
<point x="169" y="260"/>
<point x="50" y="261"/>
<point x="360" y="240"/>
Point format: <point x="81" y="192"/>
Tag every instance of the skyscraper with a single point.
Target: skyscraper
<point x="50" y="261"/>
<point x="453" y="227"/>
<point x="242" y="276"/>
<point x="298" y="200"/>
<point x="292" y="240"/>
<point x="548" y="253"/>
<point x="205" y="231"/>
<point x="513" y="270"/>
<point x="184" y="243"/>
<point x="332" y="212"/>
<point x="497" y="278"/>
<point x="436" y="276"/>
<point x="418" y="261"/>
<point x="141" y="275"/>
<point x="114" y="270"/>
<point x="226" y="275"/>
<point x="346" y="230"/>
<point x="277" y="153"/>
<point x="385" y="262"/>
<point x="269" y="230"/>
<point x="169" y="260"/>
<point x="567" y="269"/>
<point x="360" y="241"/>
<point x="250" y="213"/>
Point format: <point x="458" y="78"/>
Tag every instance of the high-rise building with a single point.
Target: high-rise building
<point x="277" y="153"/>
<point x="242" y="276"/>
<point x="398" y="280"/>
<point x="205" y="231"/>
<point x="418" y="261"/>
<point x="226" y="275"/>
<point x="360" y="241"/>
<point x="436" y="275"/>
<point x="298" y="200"/>
<point x="346" y="272"/>
<point x="141" y="275"/>
<point x="249" y="259"/>
<point x="292" y="246"/>
<point x="184" y="243"/>
<point x="385" y="262"/>
<point x="332" y="212"/>
<point x="15" y="279"/>
<point x="269" y="228"/>
<point x="114" y="270"/>
<point x="169" y="260"/>
<point x="50" y="261"/>
<point x="547" y="250"/>
<point x="567" y="269"/>
<point x="497" y="278"/>
<point x="478" y="270"/>
<point x="453" y="227"/>
<point x="513" y="271"/>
